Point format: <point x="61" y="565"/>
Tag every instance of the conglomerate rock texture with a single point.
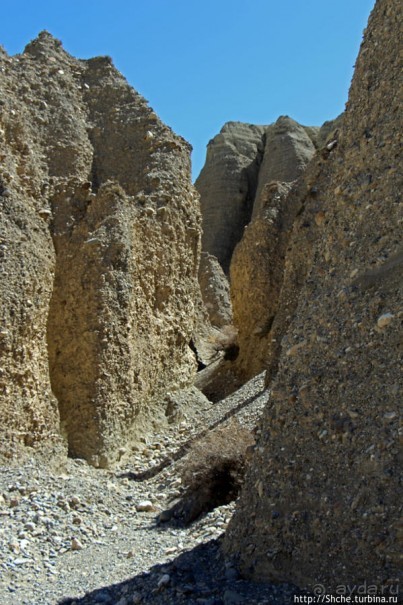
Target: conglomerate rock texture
<point x="322" y="500"/>
<point x="100" y="232"/>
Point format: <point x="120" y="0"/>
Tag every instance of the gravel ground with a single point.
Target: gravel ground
<point x="87" y="535"/>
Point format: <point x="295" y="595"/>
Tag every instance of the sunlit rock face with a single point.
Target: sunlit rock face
<point x="100" y="245"/>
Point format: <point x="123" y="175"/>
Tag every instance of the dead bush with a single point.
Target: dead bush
<point x="226" y="340"/>
<point x="213" y="471"/>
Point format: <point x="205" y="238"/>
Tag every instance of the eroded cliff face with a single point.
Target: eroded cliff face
<point x="227" y="186"/>
<point x="241" y="160"/>
<point x="215" y="291"/>
<point x="100" y="245"/>
<point x="257" y="261"/>
<point x="264" y="285"/>
<point x="321" y="503"/>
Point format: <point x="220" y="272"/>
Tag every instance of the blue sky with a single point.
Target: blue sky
<point x="201" y="63"/>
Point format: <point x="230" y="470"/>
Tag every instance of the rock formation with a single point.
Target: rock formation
<point x="100" y="235"/>
<point x="227" y="186"/>
<point x="322" y="499"/>
<point x="215" y="291"/>
<point x="258" y="263"/>
<point x="240" y="161"/>
<point x="258" y="162"/>
<point x="256" y="276"/>
<point x="288" y="149"/>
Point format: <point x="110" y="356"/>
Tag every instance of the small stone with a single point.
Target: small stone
<point x="295" y="348"/>
<point x="145" y="506"/>
<point x="21" y="561"/>
<point x="231" y="597"/>
<point x="44" y="213"/>
<point x="164" y="581"/>
<point x="29" y="526"/>
<point x="136" y="598"/>
<point x="14" y="546"/>
<point x="331" y="145"/>
<point x="384" y="320"/>
<point x="171" y="550"/>
<point x="76" y="544"/>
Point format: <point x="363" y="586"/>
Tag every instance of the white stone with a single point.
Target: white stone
<point x="76" y="544"/>
<point x="144" y="506"/>
<point x="384" y="320"/>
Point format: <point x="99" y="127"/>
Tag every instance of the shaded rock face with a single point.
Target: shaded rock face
<point x="321" y="503"/>
<point x="258" y="262"/>
<point x="100" y="242"/>
<point x="265" y="286"/>
<point x="215" y="291"/>
<point x="288" y="149"/>
<point x="256" y="276"/>
<point x="240" y="161"/>
<point x="227" y="186"/>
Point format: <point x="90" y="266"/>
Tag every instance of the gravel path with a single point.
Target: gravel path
<point x="90" y="536"/>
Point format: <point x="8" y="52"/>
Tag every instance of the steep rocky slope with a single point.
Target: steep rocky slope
<point x="248" y="218"/>
<point x="322" y="501"/>
<point x="256" y="275"/>
<point x="100" y="233"/>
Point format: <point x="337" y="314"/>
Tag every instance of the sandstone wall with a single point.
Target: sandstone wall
<point x="322" y="500"/>
<point x="112" y="237"/>
<point x="256" y="277"/>
<point x="240" y="161"/>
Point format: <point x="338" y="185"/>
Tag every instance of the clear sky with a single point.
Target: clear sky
<point x="201" y="63"/>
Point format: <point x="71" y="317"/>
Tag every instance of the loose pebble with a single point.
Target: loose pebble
<point x="79" y="533"/>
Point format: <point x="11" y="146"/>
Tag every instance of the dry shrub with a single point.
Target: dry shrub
<point x="226" y="340"/>
<point x="214" y="469"/>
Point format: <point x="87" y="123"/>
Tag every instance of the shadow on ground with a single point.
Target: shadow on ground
<point x="196" y="577"/>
